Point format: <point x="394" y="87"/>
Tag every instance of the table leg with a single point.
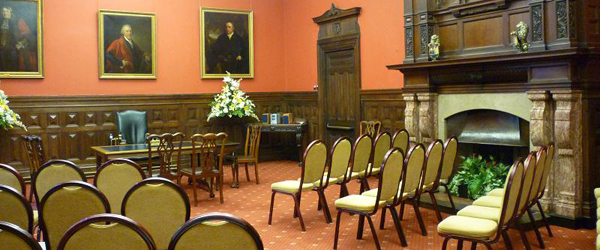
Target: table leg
<point x="299" y="146"/>
<point x="235" y="183"/>
<point x="98" y="161"/>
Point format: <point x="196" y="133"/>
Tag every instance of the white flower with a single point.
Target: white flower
<point x="227" y="79"/>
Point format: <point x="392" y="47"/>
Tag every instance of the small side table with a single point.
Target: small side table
<point x="300" y="129"/>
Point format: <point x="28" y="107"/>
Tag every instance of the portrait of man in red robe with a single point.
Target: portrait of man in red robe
<point x="18" y="45"/>
<point x="125" y="56"/>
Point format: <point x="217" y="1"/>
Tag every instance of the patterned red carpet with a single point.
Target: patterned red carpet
<point x="251" y="202"/>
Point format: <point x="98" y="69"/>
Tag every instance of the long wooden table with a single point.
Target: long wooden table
<point x="103" y="153"/>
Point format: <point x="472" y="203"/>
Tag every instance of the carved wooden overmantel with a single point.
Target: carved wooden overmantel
<point x="559" y="76"/>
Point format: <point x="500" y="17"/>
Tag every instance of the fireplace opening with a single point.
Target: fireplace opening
<point x="486" y="132"/>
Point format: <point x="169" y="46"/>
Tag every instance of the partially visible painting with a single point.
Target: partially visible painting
<point x="21" y="49"/>
<point x="227" y="43"/>
<point x="127" y="45"/>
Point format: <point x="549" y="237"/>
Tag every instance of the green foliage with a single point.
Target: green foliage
<point x="479" y="175"/>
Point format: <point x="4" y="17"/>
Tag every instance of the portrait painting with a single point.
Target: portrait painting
<point x="127" y="45"/>
<point x="21" y="53"/>
<point x="226" y="43"/>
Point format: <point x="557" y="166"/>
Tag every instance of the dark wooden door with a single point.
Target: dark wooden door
<point x="339" y="73"/>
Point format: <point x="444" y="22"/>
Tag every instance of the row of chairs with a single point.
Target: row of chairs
<point x="158" y="204"/>
<point x="491" y="216"/>
<point x="111" y="231"/>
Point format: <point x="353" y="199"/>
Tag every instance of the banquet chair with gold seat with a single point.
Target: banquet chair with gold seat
<point x="408" y="190"/>
<point x="311" y="178"/>
<point x="12" y="178"/>
<point x="361" y="157"/>
<point x="251" y="149"/>
<point x="107" y="231"/>
<point x="62" y="207"/>
<point x="15" y="209"/>
<point x="371" y="128"/>
<point x="382" y="144"/>
<point x="35" y="155"/>
<point x="487" y="231"/>
<point x="115" y="177"/>
<point x="210" y="157"/>
<point x="168" y="148"/>
<point x="216" y="231"/>
<point x="14" y="237"/>
<point x="449" y="156"/>
<point x="432" y="172"/>
<point x="401" y="140"/>
<point x="159" y="205"/>
<point x="367" y="206"/>
<point x="339" y="164"/>
<point x="53" y="173"/>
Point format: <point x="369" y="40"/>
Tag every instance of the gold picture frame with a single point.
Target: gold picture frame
<point x="124" y="42"/>
<point x="221" y="51"/>
<point x="21" y="43"/>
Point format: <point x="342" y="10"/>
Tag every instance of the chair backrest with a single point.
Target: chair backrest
<point x="133" y="126"/>
<point x="53" y="173"/>
<point x="11" y="177"/>
<point x="253" y="139"/>
<point x="401" y="140"/>
<point x="414" y="161"/>
<point x="14" y="237"/>
<point x="450" y="151"/>
<point x="530" y="168"/>
<point x="315" y="160"/>
<point x="15" y="209"/>
<point x="205" y="147"/>
<point x="115" y="177"/>
<point x="361" y="153"/>
<point x="35" y="152"/>
<point x="391" y="172"/>
<point x="66" y="204"/>
<point x="539" y="173"/>
<point x="512" y="192"/>
<point x="159" y="205"/>
<point x="168" y="146"/>
<point x="341" y="153"/>
<point x="107" y="231"/>
<point x="432" y="168"/>
<point x="216" y="231"/>
<point x="547" y="168"/>
<point x="382" y="145"/>
<point x="371" y="128"/>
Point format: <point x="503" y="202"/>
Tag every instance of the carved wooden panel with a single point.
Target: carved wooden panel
<point x="386" y="106"/>
<point x="483" y="33"/>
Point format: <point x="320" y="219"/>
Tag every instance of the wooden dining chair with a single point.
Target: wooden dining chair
<point x="62" y="207"/>
<point x="217" y="231"/>
<point x="107" y="231"/>
<point x="366" y="206"/>
<point x="159" y="205"/>
<point x="168" y="148"/>
<point x="313" y="169"/>
<point x="401" y="140"/>
<point x="12" y="178"/>
<point x="53" y="173"/>
<point x="115" y="177"/>
<point x="15" y="209"/>
<point x="35" y="155"/>
<point x="432" y="172"/>
<point x="251" y="149"/>
<point x="371" y="128"/>
<point x="486" y="231"/>
<point x="14" y="237"/>
<point x="209" y="157"/>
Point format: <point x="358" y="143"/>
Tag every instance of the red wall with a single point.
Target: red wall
<point x="284" y="46"/>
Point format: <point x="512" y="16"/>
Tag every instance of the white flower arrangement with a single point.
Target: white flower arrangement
<point x="232" y="101"/>
<point x="8" y="118"/>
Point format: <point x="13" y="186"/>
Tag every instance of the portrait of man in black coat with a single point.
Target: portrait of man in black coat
<point x="230" y="50"/>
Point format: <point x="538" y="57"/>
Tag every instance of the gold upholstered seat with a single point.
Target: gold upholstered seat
<point x="14" y="237"/>
<point x="15" y="209"/>
<point x="115" y="177"/>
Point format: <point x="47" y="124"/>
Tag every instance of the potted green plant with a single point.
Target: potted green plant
<point x="478" y="176"/>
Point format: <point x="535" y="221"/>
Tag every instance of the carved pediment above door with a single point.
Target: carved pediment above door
<point x="461" y="8"/>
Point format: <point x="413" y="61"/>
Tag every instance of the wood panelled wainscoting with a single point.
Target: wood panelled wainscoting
<point x="71" y="125"/>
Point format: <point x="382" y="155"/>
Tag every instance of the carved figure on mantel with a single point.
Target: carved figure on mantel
<point x="519" y="37"/>
<point x="434" y="47"/>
